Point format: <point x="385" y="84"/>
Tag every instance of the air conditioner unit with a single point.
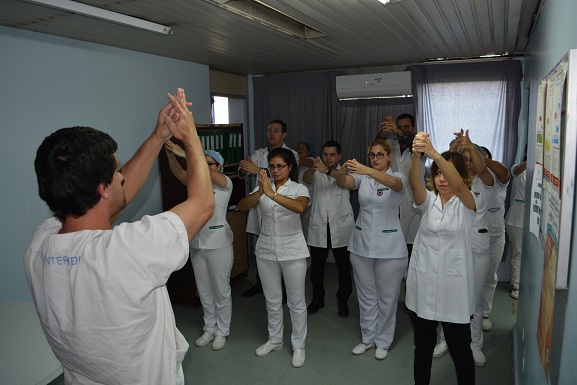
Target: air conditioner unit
<point x="374" y="85"/>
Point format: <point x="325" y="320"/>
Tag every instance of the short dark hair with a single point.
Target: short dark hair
<point x="70" y="164"/>
<point x="289" y="158"/>
<point x="459" y="164"/>
<point x="405" y="116"/>
<point x="487" y="152"/>
<point x="283" y="124"/>
<point x="333" y="143"/>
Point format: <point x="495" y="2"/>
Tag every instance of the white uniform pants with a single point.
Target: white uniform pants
<point x="294" y="273"/>
<point x="212" y="273"/>
<point x="516" y="238"/>
<point x="378" y="283"/>
<point x="497" y="245"/>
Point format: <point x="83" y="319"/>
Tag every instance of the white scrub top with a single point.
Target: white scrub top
<point x="496" y="208"/>
<point x="440" y="284"/>
<point x="377" y="232"/>
<point x="259" y="157"/>
<point x="281" y="236"/>
<point x="409" y="215"/>
<point x="330" y="204"/>
<point x="102" y="300"/>
<point x="517" y="209"/>
<point x="480" y="232"/>
<point x="216" y="233"/>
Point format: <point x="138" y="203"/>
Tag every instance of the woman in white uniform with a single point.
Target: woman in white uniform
<point x="281" y="250"/>
<point x="481" y="187"/>
<point x="212" y="255"/>
<point x="377" y="246"/>
<point x="440" y="285"/>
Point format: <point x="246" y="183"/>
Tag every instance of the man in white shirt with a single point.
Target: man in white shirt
<point x="275" y="135"/>
<point x="330" y="228"/>
<point x="100" y="292"/>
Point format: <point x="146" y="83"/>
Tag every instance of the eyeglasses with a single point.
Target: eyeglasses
<point x="466" y="160"/>
<point x="378" y="155"/>
<point x="279" y="167"/>
<point x="211" y="164"/>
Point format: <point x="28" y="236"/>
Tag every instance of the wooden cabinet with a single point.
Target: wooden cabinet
<point x="226" y="139"/>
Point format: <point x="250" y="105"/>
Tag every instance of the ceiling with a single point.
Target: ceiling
<point x="363" y="33"/>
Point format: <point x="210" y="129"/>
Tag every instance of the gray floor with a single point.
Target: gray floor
<point x="329" y="342"/>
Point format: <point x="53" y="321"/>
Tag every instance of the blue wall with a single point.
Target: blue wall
<point x="554" y="35"/>
<point x="47" y="83"/>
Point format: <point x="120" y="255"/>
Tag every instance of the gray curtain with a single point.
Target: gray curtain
<point x="360" y="120"/>
<point x="307" y="103"/>
<point x="507" y="103"/>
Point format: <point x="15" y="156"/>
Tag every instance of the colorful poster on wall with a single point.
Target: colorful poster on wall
<point x="559" y="157"/>
<point x="537" y="185"/>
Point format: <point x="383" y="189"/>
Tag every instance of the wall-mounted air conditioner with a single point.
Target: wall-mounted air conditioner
<point x="374" y="85"/>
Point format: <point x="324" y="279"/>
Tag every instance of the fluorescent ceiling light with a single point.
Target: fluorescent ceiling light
<point x="266" y="15"/>
<point x="103" y="14"/>
<point x="389" y="1"/>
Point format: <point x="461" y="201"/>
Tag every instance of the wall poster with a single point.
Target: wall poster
<point x="557" y="190"/>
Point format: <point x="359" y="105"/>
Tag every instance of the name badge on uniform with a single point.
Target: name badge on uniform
<point x="381" y="191"/>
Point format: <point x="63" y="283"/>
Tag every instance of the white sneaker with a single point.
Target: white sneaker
<point x="361" y="348"/>
<point x="381" y="354"/>
<point x="218" y="343"/>
<point x="204" y="339"/>
<point x="266" y="348"/>
<point x="440" y="349"/>
<point x="487" y="325"/>
<point x="479" y="358"/>
<point x="298" y="358"/>
<point x="515" y="293"/>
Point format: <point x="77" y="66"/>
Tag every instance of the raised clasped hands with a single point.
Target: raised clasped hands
<point x="175" y="118"/>
<point x="264" y="183"/>
<point x="356" y="167"/>
<point x="388" y="125"/>
<point x="318" y="165"/>
<point x="248" y="166"/>
<point x="422" y="144"/>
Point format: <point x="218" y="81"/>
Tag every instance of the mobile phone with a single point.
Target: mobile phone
<point x="269" y="176"/>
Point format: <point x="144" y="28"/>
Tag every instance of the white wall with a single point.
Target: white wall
<point x="47" y="83"/>
<point x="554" y="35"/>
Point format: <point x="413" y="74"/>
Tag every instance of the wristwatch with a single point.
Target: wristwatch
<point x="329" y="170"/>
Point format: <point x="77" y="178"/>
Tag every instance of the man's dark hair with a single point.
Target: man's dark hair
<point x="289" y="158"/>
<point x="283" y="124"/>
<point x="404" y="116"/>
<point x="333" y="143"/>
<point x="70" y="164"/>
<point x="487" y="152"/>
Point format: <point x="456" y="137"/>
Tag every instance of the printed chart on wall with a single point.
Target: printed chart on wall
<point x="553" y="188"/>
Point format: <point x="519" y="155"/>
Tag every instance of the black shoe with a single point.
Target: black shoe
<point x="254" y="290"/>
<point x="315" y="306"/>
<point x="343" y="310"/>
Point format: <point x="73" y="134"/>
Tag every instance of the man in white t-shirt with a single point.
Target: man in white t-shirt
<point x="100" y="292"/>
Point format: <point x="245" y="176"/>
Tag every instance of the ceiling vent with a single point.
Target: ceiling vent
<point x="382" y="85"/>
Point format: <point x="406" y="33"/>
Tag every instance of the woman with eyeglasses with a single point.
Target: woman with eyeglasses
<point x="378" y="250"/>
<point x="440" y="284"/>
<point x="211" y="253"/>
<point x="281" y="249"/>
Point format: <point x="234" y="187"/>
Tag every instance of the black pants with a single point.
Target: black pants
<point x="458" y="337"/>
<point x="319" y="257"/>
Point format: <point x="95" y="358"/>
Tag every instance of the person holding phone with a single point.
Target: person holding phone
<point x="275" y="135"/>
<point x="281" y="250"/>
